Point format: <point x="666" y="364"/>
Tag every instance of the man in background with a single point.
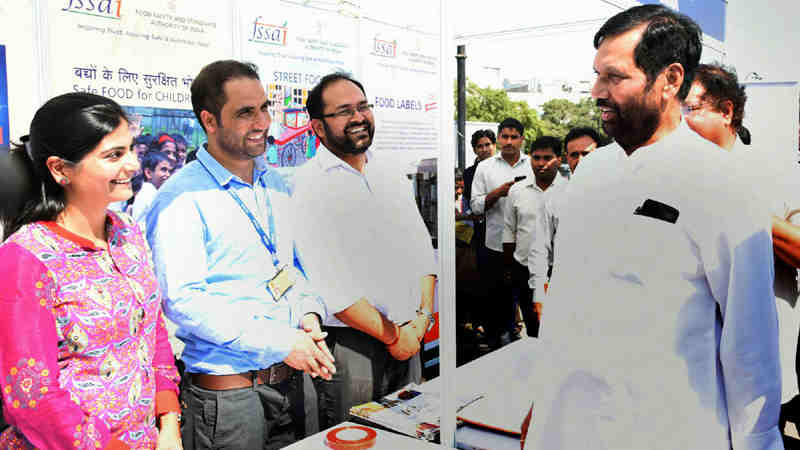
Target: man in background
<point x="578" y="143"/>
<point x="493" y="179"/>
<point x="522" y="212"/>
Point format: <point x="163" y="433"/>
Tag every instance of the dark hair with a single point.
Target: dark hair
<point x="145" y="139"/>
<point x="545" y="142"/>
<point x="68" y="126"/>
<point x="669" y="37"/>
<point x="180" y="140"/>
<point x="510" y="122"/>
<point x="191" y="156"/>
<point x="575" y="133"/>
<point x="159" y="141"/>
<point x="314" y="104"/>
<point x="480" y="134"/>
<point x="208" y="89"/>
<point x="722" y="84"/>
<point x="152" y="159"/>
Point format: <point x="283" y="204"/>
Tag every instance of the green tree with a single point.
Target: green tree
<point x="493" y="105"/>
<point x="557" y="118"/>
<point x="561" y="115"/>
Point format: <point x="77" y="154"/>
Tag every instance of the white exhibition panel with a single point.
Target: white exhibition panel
<point x="140" y="54"/>
<point x="772" y="116"/>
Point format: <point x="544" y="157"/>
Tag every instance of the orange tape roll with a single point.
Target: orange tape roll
<point x="351" y="437"/>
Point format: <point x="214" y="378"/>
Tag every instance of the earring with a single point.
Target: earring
<point x="64" y="181"/>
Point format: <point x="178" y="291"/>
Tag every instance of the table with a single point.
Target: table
<point x="503" y="376"/>
<point x="384" y="440"/>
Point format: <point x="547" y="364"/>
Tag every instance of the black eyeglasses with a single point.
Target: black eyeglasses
<point x="350" y="112"/>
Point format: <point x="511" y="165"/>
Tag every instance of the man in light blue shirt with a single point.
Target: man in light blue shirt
<point x="224" y="253"/>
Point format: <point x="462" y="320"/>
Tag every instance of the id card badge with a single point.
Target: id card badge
<point x="281" y="282"/>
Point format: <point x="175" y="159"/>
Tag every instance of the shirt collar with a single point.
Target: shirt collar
<point x="224" y="176"/>
<point x="532" y="182"/>
<point x="327" y="160"/>
<point x="522" y="158"/>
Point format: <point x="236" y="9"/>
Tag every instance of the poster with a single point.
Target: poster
<point x="401" y="75"/>
<point x="294" y="46"/>
<point x="142" y="54"/>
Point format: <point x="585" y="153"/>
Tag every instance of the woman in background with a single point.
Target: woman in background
<point x="84" y="356"/>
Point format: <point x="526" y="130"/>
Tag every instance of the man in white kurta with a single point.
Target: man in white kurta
<point x="668" y="340"/>
<point x="671" y="333"/>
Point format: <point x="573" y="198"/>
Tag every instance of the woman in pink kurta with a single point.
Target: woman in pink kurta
<point x="84" y="356"/>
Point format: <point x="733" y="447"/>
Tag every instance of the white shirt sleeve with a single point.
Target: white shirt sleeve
<point x="477" y="201"/>
<point x="141" y="204"/>
<point x="739" y="268"/>
<point x="541" y="252"/>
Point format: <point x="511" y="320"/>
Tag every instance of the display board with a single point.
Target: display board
<point x="772" y="115"/>
<point x="402" y="67"/>
<point x="142" y="54"/>
<point x="294" y="47"/>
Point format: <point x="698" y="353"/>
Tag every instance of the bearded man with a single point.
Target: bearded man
<point x="369" y="252"/>
<point x="667" y="338"/>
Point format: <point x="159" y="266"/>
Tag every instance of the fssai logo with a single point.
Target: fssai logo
<point x="384" y="48"/>
<point x="264" y="33"/>
<point x="109" y="9"/>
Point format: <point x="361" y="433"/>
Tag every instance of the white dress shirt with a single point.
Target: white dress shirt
<point x="491" y="173"/>
<point x="362" y="235"/>
<point x="540" y="252"/>
<point x="667" y="331"/>
<point x="144" y="198"/>
<point x="523" y="205"/>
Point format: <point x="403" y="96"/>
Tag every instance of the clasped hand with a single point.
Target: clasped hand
<point x="408" y="342"/>
<point x="310" y="353"/>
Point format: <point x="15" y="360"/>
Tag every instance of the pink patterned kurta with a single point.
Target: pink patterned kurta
<point x="84" y="356"/>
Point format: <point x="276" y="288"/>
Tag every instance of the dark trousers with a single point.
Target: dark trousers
<point x="365" y="371"/>
<point x="255" y="417"/>
<point x="499" y="307"/>
<point x="520" y="287"/>
<point x="484" y="269"/>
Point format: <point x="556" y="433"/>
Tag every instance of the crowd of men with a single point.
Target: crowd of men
<point x="510" y="201"/>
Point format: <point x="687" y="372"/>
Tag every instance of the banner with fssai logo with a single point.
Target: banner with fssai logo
<point x="144" y="54"/>
<point x="294" y="47"/>
<point x="137" y="52"/>
<point x="402" y="67"/>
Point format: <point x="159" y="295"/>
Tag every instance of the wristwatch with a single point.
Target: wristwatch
<point x="430" y="316"/>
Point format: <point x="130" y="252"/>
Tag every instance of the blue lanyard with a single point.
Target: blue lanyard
<point x="266" y="239"/>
